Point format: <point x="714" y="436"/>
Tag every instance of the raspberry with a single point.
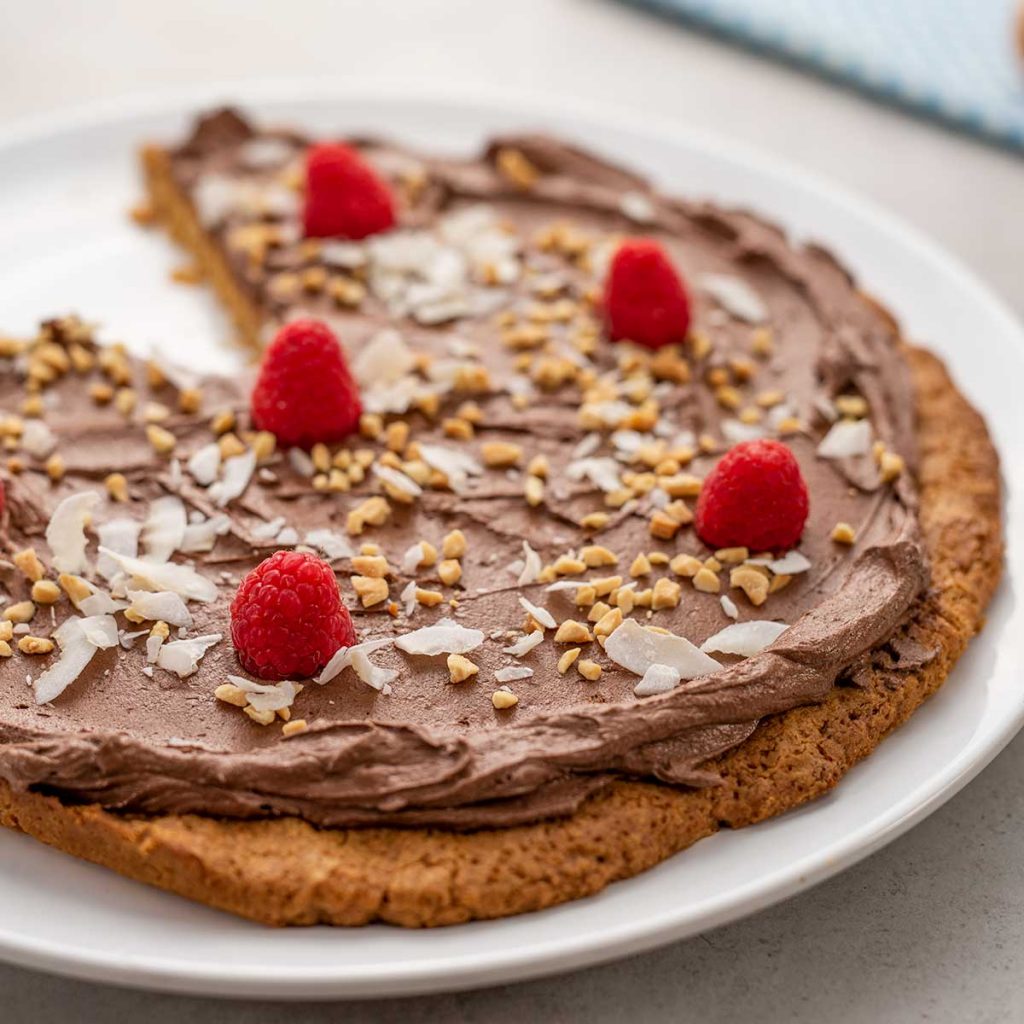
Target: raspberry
<point x="344" y="196"/>
<point x="755" y="497"/>
<point x="644" y="298"/>
<point x="304" y="392"/>
<point x="287" y="619"/>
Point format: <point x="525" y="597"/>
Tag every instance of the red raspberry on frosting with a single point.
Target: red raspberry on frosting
<point x="287" y="618"/>
<point x="345" y="198"/>
<point x="644" y="299"/>
<point x="305" y="392"/>
<point x="755" y="497"/>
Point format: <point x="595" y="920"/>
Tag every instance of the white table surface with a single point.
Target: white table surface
<point x="931" y="928"/>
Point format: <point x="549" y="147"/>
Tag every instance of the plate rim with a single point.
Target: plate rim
<point x="553" y="956"/>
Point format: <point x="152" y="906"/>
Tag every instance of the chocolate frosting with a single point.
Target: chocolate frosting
<point x="431" y="752"/>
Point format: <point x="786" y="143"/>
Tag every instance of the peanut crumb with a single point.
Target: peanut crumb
<point x="117" y="486"/>
<point x="706" y="581"/>
<point x="500" y="454"/>
<point x="35" y="645"/>
<point x="294" y="727"/>
<point x="45" y="592"/>
<point x="371" y="590"/>
<point x="161" y="440"/>
<point x="572" y="632"/>
<point x="461" y="668"/>
<point x="231" y="694"/>
<point x="640" y="566"/>
<point x="454" y="544"/>
<point x="449" y="571"/>
<point x="566" y="660"/>
<point x="843" y="533"/>
<point x="504" y="699"/>
<point x="28" y="562"/>
<point x="753" y="583"/>
<point x="590" y="670"/>
<point x="20" y="612"/>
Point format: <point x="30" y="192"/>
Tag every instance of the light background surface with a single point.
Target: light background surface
<point x="932" y="928"/>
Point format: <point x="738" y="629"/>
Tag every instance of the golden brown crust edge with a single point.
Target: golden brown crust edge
<point x="174" y="212"/>
<point x="287" y="872"/>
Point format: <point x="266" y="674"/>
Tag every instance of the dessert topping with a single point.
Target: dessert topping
<point x="345" y="197"/>
<point x="755" y="497"/>
<point x="304" y="393"/>
<point x="287" y="618"/>
<point x="644" y="299"/>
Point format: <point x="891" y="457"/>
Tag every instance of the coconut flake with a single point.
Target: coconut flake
<point x="164" y="528"/>
<point x="745" y="638"/>
<point x="383" y="360"/>
<point x="343" y="656"/>
<point x="735" y="296"/>
<point x="203" y="535"/>
<point x="413" y="558"/>
<point x="397" y="479"/>
<point x="637" y="207"/>
<point x="790" y="564"/>
<point x="79" y="639"/>
<point x="512" y="673"/>
<point x="100" y="603"/>
<point x="65" y="533"/>
<point x="268" y="696"/>
<point x="301" y="462"/>
<point x="456" y="465"/>
<point x="586" y="447"/>
<point x="444" y="637"/>
<point x="542" y="615"/>
<point x="636" y="649"/>
<point x="120" y="535"/>
<point x="205" y="464"/>
<point x="38" y="439"/>
<point x="182" y="657"/>
<point x="238" y="471"/>
<point x="377" y="676"/>
<point x="155" y="576"/>
<point x="736" y="432"/>
<point x="657" y="679"/>
<point x="153" y="644"/>
<point x="163" y="606"/>
<point x="603" y="473"/>
<point x="532" y="566"/>
<point x="408" y="598"/>
<point x="268" y="530"/>
<point x="263" y="153"/>
<point x="729" y="606"/>
<point x="332" y="545"/>
<point x="127" y="640"/>
<point x="525" y="644"/>
<point x="846" y="439"/>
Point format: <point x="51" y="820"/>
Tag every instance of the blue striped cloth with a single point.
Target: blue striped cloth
<point x="951" y="60"/>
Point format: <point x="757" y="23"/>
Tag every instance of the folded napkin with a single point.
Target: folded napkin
<point x="952" y="60"/>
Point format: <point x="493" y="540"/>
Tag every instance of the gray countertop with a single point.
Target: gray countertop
<point x="932" y="927"/>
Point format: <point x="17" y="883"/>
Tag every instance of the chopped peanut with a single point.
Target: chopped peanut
<point x="461" y="668"/>
<point x="572" y="632"/>
<point x="371" y="590"/>
<point x="566" y="660"/>
<point x="28" y="562"/>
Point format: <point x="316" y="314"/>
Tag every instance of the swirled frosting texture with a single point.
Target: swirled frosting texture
<point x="431" y="752"/>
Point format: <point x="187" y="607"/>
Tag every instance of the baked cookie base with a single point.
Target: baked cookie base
<point x="173" y="211"/>
<point x="285" y="872"/>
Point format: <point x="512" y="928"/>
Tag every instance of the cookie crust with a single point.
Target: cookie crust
<point x="286" y="872"/>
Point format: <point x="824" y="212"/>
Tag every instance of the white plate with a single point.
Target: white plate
<point x="66" y="244"/>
